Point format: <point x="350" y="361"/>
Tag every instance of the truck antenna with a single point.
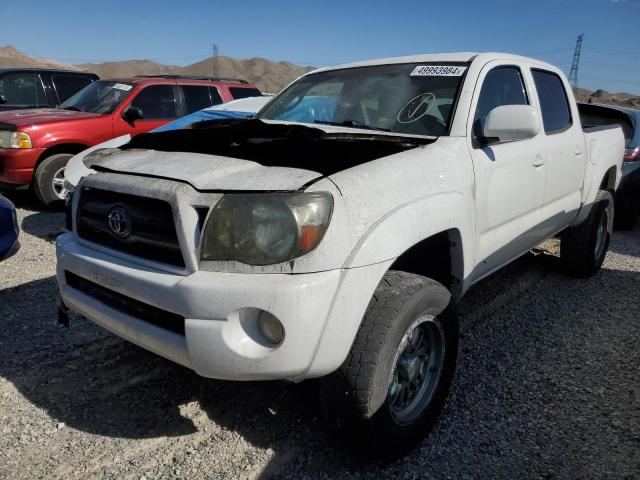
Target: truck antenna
<point x="573" y="73"/>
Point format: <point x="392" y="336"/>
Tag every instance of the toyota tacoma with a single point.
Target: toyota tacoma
<point x="332" y="235"/>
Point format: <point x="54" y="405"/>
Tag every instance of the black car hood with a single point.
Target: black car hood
<point x="278" y="144"/>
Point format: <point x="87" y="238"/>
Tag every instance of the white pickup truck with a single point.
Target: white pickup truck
<point x="332" y="235"/>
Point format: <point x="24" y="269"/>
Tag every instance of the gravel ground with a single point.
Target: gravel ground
<point x="547" y="386"/>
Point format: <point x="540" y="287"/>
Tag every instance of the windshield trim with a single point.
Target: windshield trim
<point x="330" y="129"/>
<point x="454" y="105"/>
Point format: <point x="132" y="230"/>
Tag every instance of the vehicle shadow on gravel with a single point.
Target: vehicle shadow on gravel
<point x="627" y="242"/>
<point x="23" y="198"/>
<point x="46" y="225"/>
<point x="95" y="382"/>
<point x="40" y="222"/>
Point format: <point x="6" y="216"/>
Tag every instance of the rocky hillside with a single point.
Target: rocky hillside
<point x="268" y="76"/>
<point x="10" y="57"/>
<point x="602" y="96"/>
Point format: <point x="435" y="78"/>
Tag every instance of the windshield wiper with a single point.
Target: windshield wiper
<point x="353" y="124"/>
<point x="72" y="108"/>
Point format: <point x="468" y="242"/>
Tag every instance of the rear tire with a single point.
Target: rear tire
<point x="48" y="179"/>
<point x="584" y="247"/>
<point x="389" y="391"/>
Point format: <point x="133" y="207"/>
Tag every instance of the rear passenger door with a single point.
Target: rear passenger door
<point x="197" y="97"/>
<point x="565" y="149"/>
<point x="509" y="176"/>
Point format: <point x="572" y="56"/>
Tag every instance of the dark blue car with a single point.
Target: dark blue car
<point x="8" y="229"/>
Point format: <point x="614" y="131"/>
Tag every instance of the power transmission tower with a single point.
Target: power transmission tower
<point x="214" y="59"/>
<point x="573" y="74"/>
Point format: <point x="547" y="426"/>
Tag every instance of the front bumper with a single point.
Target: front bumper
<point x="17" y="165"/>
<point x="220" y="339"/>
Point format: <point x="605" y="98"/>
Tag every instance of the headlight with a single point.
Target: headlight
<point x="9" y="139"/>
<point x="263" y="229"/>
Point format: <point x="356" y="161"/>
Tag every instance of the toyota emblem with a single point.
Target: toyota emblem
<point x="119" y="222"/>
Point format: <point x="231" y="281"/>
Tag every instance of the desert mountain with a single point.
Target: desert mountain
<point x="268" y="76"/>
<point x="602" y="96"/>
<point x="10" y="57"/>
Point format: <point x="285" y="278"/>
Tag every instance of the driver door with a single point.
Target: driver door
<point x="510" y="176"/>
<point x="159" y="106"/>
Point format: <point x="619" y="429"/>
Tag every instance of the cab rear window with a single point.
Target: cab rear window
<point x="556" y="114"/>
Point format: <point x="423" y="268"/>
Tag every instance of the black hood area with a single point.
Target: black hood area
<point x="278" y="145"/>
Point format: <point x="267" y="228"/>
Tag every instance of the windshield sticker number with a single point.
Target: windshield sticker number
<point x="438" y="71"/>
<point x="122" y="86"/>
<point x="416" y="108"/>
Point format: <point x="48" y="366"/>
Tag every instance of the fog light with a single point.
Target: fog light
<point x="271" y="328"/>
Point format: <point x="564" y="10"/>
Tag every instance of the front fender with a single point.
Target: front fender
<point x="372" y="256"/>
<point x="413" y="222"/>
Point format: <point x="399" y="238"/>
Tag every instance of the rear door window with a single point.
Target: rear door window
<point x="156" y="102"/>
<point x="67" y="85"/>
<point x="554" y="105"/>
<point x="501" y="86"/>
<point x="239" y="92"/>
<point x="198" y="97"/>
<point x="22" y="90"/>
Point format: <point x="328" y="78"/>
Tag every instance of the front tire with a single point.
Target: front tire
<point x="393" y="384"/>
<point x="583" y="247"/>
<point x="48" y="180"/>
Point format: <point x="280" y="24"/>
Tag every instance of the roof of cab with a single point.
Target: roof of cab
<point x="438" y="57"/>
<point x="40" y="69"/>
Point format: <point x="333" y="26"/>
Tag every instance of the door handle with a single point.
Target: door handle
<point x="538" y="161"/>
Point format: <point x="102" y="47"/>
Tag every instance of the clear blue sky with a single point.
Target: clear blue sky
<point x="328" y="32"/>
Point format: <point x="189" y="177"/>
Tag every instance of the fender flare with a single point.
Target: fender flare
<point x="412" y="222"/>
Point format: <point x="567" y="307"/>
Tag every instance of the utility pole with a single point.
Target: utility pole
<point x="573" y="74"/>
<point x="214" y="60"/>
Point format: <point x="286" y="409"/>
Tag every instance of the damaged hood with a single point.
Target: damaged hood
<point x="204" y="172"/>
<point x="249" y="154"/>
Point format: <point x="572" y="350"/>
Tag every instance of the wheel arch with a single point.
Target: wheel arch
<point x="440" y="257"/>
<point x="432" y="236"/>
<point x="70" y="148"/>
<point x="609" y="181"/>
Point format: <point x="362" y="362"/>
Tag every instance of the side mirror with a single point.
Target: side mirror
<point x="132" y="114"/>
<point x="507" y="123"/>
<point x="3" y="99"/>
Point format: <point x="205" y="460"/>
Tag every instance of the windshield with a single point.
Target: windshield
<point x="99" y="97"/>
<point x="410" y="98"/>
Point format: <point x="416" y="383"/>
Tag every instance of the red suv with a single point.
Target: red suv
<point x="35" y="145"/>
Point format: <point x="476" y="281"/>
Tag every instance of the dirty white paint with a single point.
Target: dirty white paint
<point x="381" y="209"/>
